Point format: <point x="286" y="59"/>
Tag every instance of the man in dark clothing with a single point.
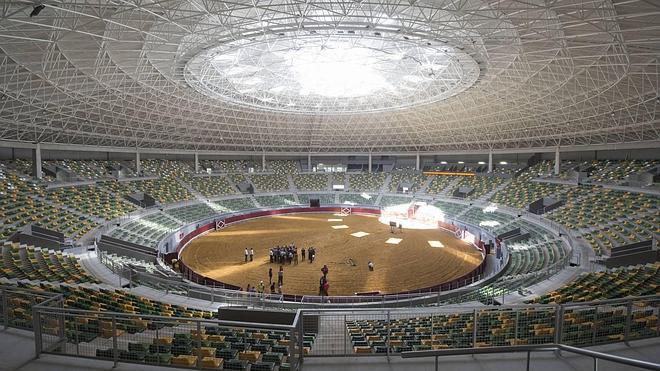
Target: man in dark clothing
<point x="303" y="253"/>
<point x="270" y="275"/>
<point x="280" y="276"/>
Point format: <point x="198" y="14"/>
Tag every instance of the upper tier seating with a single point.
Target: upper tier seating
<point x="521" y="191"/>
<point x="618" y="283"/>
<point x="283" y="166"/>
<point x="82" y="169"/>
<point x="617" y="171"/>
<point x="366" y="182"/>
<point x="166" y="168"/>
<point x="270" y="182"/>
<point x="191" y="213"/>
<point x="311" y="182"/>
<point x="413" y="178"/>
<point x="228" y="166"/>
<point x="439" y="183"/>
<point x="164" y="190"/>
<point x="210" y="186"/>
<point x="481" y="184"/>
<point x="36" y="264"/>
<point x="91" y="200"/>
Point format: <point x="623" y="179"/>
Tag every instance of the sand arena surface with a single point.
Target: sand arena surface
<point x="409" y="265"/>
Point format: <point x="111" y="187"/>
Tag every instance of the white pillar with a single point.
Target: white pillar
<point x="490" y="161"/>
<point x="309" y="162"/>
<point x="557" y="161"/>
<point x="138" y="167"/>
<point x="369" y="161"/>
<point x="417" y="163"/>
<point x="263" y="161"/>
<point x="196" y="163"/>
<point x="38" y="174"/>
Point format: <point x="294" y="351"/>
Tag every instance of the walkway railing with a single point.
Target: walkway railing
<point x="534" y="348"/>
<point x="139" y="338"/>
<point x="163" y="340"/>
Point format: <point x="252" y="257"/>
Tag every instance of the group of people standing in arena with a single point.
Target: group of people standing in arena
<point x="289" y="254"/>
<point x="284" y="254"/>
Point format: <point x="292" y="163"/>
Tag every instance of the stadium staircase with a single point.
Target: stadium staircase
<point x="447" y="191"/>
<point x="254" y="199"/>
<point x="386" y="185"/>
<point x="200" y="197"/>
<point x="424" y="186"/>
<point x="486" y="196"/>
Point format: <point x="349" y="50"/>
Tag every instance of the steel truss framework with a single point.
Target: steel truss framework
<point x="112" y="73"/>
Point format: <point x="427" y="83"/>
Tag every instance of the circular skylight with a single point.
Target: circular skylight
<point x="340" y="72"/>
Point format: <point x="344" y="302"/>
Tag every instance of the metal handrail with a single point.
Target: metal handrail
<point x="532" y="348"/>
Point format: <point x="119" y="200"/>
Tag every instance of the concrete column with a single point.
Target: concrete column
<point x="138" y="166"/>
<point x="557" y="161"/>
<point x="309" y="162"/>
<point x="369" y="161"/>
<point x="263" y="161"/>
<point x="36" y="162"/>
<point x="490" y="161"/>
<point x="417" y="162"/>
<point x="196" y="163"/>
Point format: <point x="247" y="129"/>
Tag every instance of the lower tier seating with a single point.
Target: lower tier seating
<point x="36" y="264"/>
<point x="618" y="283"/>
<point x="276" y="200"/>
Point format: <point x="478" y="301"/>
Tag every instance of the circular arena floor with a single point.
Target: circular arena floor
<point x="410" y="264"/>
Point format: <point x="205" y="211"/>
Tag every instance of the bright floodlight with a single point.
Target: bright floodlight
<point x="418" y="215"/>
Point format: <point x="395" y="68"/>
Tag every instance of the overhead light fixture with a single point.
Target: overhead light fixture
<point x="461" y="162"/>
<point x="443" y="162"/>
<point x="37" y="9"/>
<point x="503" y="163"/>
<point x="481" y="163"/>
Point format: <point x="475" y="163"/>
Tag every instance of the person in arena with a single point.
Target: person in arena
<point x="303" y="253"/>
<point x="246" y="254"/>
<point x="251" y="254"/>
<point x="270" y="275"/>
<point x="280" y="276"/>
<point x="261" y="288"/>
<point x="324" y="270"/>
<point x="370" y="265"/>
